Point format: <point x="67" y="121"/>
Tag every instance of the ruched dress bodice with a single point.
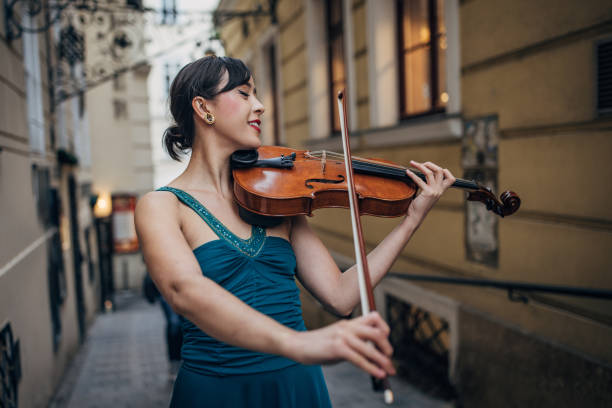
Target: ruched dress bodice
<point x="266" y="283"/>
<point x="260" y="271"/>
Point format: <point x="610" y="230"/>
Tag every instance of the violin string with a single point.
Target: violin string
<point x="365" y="164"/>
<point x="388" y="169"/>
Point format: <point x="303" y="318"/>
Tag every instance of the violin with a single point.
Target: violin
<point x="273" y="182"/>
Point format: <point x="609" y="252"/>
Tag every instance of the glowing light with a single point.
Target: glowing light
<point x="103" y="207"/>
<point x="444" y="97"/>
<point x="424" y="34"/>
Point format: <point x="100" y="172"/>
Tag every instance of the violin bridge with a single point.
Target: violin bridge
<point x="323" y="162"/>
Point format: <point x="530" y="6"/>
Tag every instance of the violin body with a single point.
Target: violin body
<point x="313" y="183"/>
<point x="274" y="182"/>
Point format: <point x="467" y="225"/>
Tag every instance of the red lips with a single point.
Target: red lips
<point x="255" y="124"/>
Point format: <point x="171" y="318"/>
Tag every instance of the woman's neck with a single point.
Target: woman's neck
<point x="208" y="168"/>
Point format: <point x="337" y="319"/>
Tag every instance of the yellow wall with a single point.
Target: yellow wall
<point x="495" y="27"/>
<point x="532" y="65"/>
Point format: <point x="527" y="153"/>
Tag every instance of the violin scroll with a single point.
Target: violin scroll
<point x="509" y="204"/>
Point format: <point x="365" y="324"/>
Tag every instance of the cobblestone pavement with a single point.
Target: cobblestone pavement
<point x="123" y="364"/>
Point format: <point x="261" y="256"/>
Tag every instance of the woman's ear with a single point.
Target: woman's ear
<point x="199" y="106"/>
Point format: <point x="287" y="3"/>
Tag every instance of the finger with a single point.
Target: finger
<point x="374" y="318"/>
<point x="360" y="361"/>
<point x="376" y="335"/>
<point x="417" y="180"/>
<point x="425" y="170"/>
<point x="368" y="351"/>
<point x="449" y="179"/>
<point x="437" y="170"/>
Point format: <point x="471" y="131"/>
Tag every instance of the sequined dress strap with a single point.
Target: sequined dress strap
<point x="251" y="246"/>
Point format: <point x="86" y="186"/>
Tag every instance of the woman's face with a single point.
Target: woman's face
<point x="237" y="115"/>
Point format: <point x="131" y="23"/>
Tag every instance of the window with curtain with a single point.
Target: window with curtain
<point x="335" y="44"/>
<point x="422" y="57"/>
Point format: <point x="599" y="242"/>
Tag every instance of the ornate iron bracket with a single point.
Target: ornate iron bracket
<point x="52" y="11"/>
<point x="113" y="29"/>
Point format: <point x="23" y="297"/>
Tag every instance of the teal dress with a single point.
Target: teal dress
<point x="261" y="272"/>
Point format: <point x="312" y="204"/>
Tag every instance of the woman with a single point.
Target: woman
<point x="244" y="341"/>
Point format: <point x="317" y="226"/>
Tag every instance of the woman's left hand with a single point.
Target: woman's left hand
<point x="438" y="180"/>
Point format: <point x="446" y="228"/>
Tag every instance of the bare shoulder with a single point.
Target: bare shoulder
<point x="155" y="206"/>
<point x="154" y="202"/>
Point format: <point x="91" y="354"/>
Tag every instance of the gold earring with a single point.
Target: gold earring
<point x="209" y="118"/>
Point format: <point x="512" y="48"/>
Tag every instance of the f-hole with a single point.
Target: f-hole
<point x="326" y="181"/>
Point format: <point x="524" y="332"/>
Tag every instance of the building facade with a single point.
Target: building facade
<point x="60" y="148"/>
<point x="511" y="94"/>
<point x="122" y="162"/>
<point x="48" y="256"/>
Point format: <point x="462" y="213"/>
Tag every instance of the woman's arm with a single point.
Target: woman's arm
<point x="177" y="274"/>
<point x="339" y="292"/>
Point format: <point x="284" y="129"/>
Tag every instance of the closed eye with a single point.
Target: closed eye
<point x="243" y="93"/>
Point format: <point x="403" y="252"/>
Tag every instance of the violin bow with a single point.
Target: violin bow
<point x="363" y="273"/>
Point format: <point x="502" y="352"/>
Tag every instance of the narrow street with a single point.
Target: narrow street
<point x="123" y="364"/>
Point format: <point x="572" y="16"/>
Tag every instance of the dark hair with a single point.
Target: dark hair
<point x="198" y="78"/>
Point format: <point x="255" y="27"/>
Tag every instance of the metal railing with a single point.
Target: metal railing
<point x="514" y="288"/>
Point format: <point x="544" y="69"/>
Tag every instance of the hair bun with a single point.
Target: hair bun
<point x="174" y="131"/>
<point x="176" y="141"/>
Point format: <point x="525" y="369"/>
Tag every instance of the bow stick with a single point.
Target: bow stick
<point x="363" y="273"/>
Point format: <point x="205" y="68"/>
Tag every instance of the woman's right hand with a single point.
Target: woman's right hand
<point x="363" y="341"/>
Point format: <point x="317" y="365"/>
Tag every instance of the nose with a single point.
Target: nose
<point x="258" y="107"/>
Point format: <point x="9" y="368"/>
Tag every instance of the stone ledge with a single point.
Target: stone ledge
<point x="447" y="128"/>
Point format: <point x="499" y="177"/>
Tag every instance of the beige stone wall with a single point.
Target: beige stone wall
<point x="24" y="293"/>
<point x="24" y="241"/>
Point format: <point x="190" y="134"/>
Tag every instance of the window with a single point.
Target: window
<point x="119" y="82"/>
<point x="167" y="78"/>
<point x="604" y="77"/>
<point x="170" y="71"/>
<point x="335" y="43"/>
<point x="422" y="57"/>
<point x="120" y="109"/>
<point x="168" y="12"/>
<point x="34" y="87"/>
